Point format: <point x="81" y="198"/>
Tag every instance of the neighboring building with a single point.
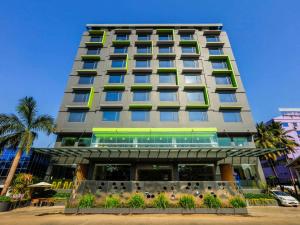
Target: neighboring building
<point x="290" y="120"/>
<point x="158" y="103"/>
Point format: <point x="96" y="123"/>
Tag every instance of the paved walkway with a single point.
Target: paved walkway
<point x="53" y="215"/>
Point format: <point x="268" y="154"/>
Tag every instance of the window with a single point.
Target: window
<point x="298" y="133"/>
<point x="198" y="115"/>
<point x="168" y="115"/>
<point x="232" y="116"/>
<point x="195" y="96"/>
<point x="165" y="49"/>
<point x="86" y="80"/>
<point x="118" y="63"/>
<point x="192" y="78"/>
<point x="165" y="37"/>
<point x="167" y="78"/>
<point x="122" y="37"/>
<point x="140" y="115"/>
<point x="68" y="141"/>
<point x="93" y="51"/>
<point x="219" y="65"/>
<point x="141" y="96"/>
<point x="84" y="142"/>
<point x="96" y="39"/>
<point x="142" y="63"/>
<point x="166" y="63"/>
<point x="285" y="124"/>
<point x="144" y="37"/>
<point x="188" y="49"/>
<point x="212" y="39"/>
<point x="116" y="78"/>
<point x="143" y="49"/>
<point x="215" y="51"/>
<point x="120" y="49"/>
<point x="111" y="115"/>
<point x="170" y="96"/>
<point x="82" y="96"/>
<point x="227" y="97"/>
<point x="141" y="78"/>
<point x="223" y="80"/>
<point x="89" y="64"/>
<point x="78" y="116"/>
<point x="190" y="63"/>
<point x="184" y="37"/>
<point x="240" y="141"/>
<point x="113" y="96"/>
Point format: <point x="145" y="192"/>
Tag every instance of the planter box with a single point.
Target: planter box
<point x="4" y="206"/>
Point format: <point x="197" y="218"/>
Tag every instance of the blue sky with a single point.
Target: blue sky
<point x="39" y="40"/>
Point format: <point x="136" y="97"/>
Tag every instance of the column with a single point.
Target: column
<point x="226" y="172"/>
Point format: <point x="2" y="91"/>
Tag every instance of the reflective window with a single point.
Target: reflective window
<point x="227" y="97"/>
<point x="143" y="49"/>
<point x="111" y="115"/>
<point x="86" y="80"/>
<point x="232" y="116"/>
<point x="165" y="49"/>
<point x="198" y="115"/>
<point x="143" y="37"/>
<point x="165" y="37"/>
<point x="195" y="96"/>
<point x="167" y="78"/>
<point x="116" y="78"/>
<point x="141" y="96"/>
<point x="166" y="63"/>
<point x="285" y="124"/>
<point x="122" y="37"/>
<point x="140" y="115"/>
<point x="168" y="115"/>
<point x="78" y="116"/>
<point x="141" y="78"/>
<point x="212" y="38"/>
<point x="142" y="63"/>
<point x="215" y="51"/>
<point x="120" y="49"/>
<point x="184" y="37"/>
<point x="89" y="64"/>
<point x="188" y="49"/>
<point x="219" y="65"/>
<point x="113" y="96"/>
<point x="223" y="80"/>
<point x="118" y="63"/>
<point x="168" y="96"/>
<point x="81" y="96"/>
<point x="190" y="63"/>
<point x="96" y="39"/>
<point x="192" y="78"/>
<point x="93" y="51"/>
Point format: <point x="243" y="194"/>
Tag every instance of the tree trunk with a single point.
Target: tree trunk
<point x="275" y="172"/>
<point x="12" y="171"/>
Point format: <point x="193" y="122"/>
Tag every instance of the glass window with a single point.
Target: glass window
<point x="165" y="37"/>
<point x="89" y="64"/>
<point x="240" y="141"/>
<point x="186" y="37"/>
<point x="77" y="116"/>
<point x="166" y="63"/>
<point x="81" y="96"/>
<point x="144" y="37"/>
<point x="190" y="63"/>
<point x="165" y="49"/>
<point x="96" y="39"/>
<point x="188" y="49"/>
<point x="215" y="51"/>
<point x="140" y="115"/>
<point x="195" y="96"/>
<point x="120" y="49"/>
<point x="142" y="63"/>
<point x="93" y="51"/>
<point x="113" y="96"/>
<point x="122" y="37"/>
<point x="232" y="116"/>
<point x="198" y="115"/>
<point x="227" y="97"/>
<point x="84" y="142"/>
<point x="285" y="124"/>
<point x="192" y="78"/>
<point x="86" y="80"/>
<point x="167" y="78"/>
<point x="143" y="49"/>
<point x="141" y="78"/>
<point x="168" y="96"/>
<point x="116" y="78"/>
<point x="118" y="63"/>
<point x="298" y="133"/>
<point x="219" y="65"/>
<point x="168" y="115"/>
<point x="111" y="115"/>
<point x="141" y="96"/>
<point x="223" y="80"/>
<point x="212" y="39"/>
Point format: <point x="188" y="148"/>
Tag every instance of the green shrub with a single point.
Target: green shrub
<point x="112" y="202"/>
<point x="136" y="201"/>
<point x="237" y="202"/>
<point x="212" y="202"/>
<point x="87" y="201"/>
<point x="161" y="201"/>
<point x="257" y="196"/>
<point x="4" y="199"/>
<point x="261" y="202"/>
<point x="187" y="202"/>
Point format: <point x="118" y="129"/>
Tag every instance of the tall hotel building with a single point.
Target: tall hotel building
<point x="156" y="102"/>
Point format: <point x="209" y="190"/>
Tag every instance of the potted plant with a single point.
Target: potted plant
<point x="4" y="203"/>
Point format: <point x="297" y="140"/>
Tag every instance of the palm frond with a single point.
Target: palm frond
<point x="43" y="123"/>
<point x="27" y="109"/>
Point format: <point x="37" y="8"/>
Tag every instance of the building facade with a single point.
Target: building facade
<point x="290" y="121"/>
<point x="155" y="102"/>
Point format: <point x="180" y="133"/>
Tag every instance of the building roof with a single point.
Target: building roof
<point x="201" y="25"/>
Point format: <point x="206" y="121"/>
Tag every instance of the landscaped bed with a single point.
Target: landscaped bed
<point x="260" y="199"/>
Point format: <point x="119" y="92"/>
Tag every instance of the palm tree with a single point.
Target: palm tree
<point x="21" y="130"/>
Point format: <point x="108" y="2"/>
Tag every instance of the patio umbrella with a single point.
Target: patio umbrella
<point x="41" y="185"/>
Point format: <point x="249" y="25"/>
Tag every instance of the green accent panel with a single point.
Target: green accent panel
<point x="121" y="42"/>
<point x="114" y="87"/>
<point x="166" y="70"/>
<point x="168" y="105"/>
<point x="216" y="57"/>
<point x="197" y="106"/>
<point x="91" y="98"/>
<point x="127" y="58"/>
<point x="90" y="57"/>
<point x="84" y="71"/>
<point x="96" y="32"/>
<point x="141" y="87"/>
<point x="230" y="107"/>
<point x="202" y="129"/>
<point x="225" y="87"/>
<point x="206" y="97"/>
<point x="140" y="106"/>
<point x="139" y="42"/>
<point x="191" y="43"/>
